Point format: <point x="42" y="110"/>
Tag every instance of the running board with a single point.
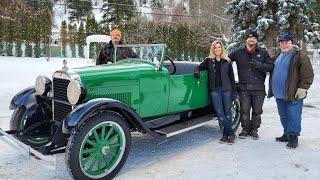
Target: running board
<point x="185" y="126"/>
<point x="32" y="154"/>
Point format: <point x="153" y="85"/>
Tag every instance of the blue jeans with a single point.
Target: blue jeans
<point x="290" y="115"/>
<point x="221" y="100"/>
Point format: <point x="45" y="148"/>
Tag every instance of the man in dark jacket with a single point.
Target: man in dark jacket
<point x="291" y="78"/>
<point x="252" y="62"/>
<point x="106" y="53"/>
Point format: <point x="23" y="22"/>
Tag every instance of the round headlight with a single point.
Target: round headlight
<point x="43" y="85"/>
<point x="74" y="92"/>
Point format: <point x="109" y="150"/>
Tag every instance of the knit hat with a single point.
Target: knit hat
<point x="117" y="31"/>
<point x="252" y="34"/>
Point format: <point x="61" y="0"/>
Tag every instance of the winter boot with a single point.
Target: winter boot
<point x="254" y="134"/>
<point x="231" y="139"/>
<point x="224" y="139"/>
<point x="283" y="138"/>
<point x="293" y="142"/>
<point x="243" y="134"/>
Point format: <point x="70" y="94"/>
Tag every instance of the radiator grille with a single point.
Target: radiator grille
<point x="61" y="110"/>
<point x="60" y="89"/>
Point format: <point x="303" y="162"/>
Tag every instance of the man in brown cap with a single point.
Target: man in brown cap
<point x="252" y="62"/>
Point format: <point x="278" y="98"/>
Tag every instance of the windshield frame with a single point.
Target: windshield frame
<point x="158" y="65"/>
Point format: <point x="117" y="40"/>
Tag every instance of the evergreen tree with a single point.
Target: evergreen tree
<point x="27" y="35"/>
<point x="2" y="32"/>
<point x="36" y="34"/>
<point x="64" y="38"/>
<point x="81" y="40"/>
<point x="9" y="37"/>
<point x="91" y="28"/>
<point x="270" y="19"/>
<point x="18" y="39"/>
<point x="316" y="8"/>
<point x="79" y="9"/>
<point x="46" y="30"/>
<point x="72" y="39"/>
<point x="36" y="5"/>
<point x="91" y="25"/>
<point x="118" y="11"/>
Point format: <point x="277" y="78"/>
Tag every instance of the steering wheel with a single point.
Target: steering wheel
<point x="173" y="65"/>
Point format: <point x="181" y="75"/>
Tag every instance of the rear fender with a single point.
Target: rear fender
<point x="80" y="114"/>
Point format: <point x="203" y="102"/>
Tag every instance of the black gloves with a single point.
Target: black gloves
<point x="256" y="64"/>
<point x="197" y="75"/>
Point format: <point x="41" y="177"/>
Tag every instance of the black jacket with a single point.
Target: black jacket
<point x="227" y="76"/>
<point x="106" y="54"/>
<point x="250" y="77"/>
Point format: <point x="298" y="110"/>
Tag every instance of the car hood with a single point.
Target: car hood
<point x="111" y="77"/>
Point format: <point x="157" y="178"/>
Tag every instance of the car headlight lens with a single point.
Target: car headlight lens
<point x="43" y="85"/>
<point x="75" y="92"/>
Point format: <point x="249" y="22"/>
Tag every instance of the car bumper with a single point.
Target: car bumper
<point x="30" y="153"/>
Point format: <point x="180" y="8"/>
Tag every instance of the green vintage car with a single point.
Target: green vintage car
<point x="90" y="112"/>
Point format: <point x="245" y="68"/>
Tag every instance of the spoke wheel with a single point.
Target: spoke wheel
<point x="235" y="114"/>
<point x="99" y="148"/>
<point x="18" y="121"/>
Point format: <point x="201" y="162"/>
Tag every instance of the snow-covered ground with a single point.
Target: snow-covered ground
<point x="196" y="154"/>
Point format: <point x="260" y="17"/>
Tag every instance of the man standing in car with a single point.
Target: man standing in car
<point x="252" y="62"/>
<point x="106" y="53"/>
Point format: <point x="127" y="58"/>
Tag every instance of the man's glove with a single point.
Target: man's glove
<point x="197" y="75"/>
<point x="301" y="93"/>
<point x="255" y="64"/>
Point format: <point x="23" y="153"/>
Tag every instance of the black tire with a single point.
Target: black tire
<point x="235" y="110"/>
<point x="17" y="122"/>
<point x="86" y="147"/>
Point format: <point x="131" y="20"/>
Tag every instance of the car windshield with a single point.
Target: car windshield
<point x="148" y="52"/>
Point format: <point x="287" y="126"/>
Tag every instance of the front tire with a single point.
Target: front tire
<point x="18" y="121"/>
<point x="99" y="148"/>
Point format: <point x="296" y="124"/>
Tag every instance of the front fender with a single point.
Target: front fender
<point x="80" y="114"/>
<point x="23" y="98"/>
<point x="28" y="98"/>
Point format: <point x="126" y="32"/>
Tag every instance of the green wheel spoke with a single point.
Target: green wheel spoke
<point x="106" y="160"/>
<point x="102" y="149"/>
<point x="88" y="159"/>
<point x="112" y="154"/>
<point x="96" y="136"/>
<point x="114" y="145"/>
<point x="109" y="133"/>
<point x="91" y="142"/>
<point x="86" y="151"/>
<point x="94" y="161"/>
<point x="103" y="132"/>
<point x="99" y="164"/>
<point x="112" y="138"/>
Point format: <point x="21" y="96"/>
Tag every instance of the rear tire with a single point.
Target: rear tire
<point x="235" y="114"/>
<point x="99" y="148"/>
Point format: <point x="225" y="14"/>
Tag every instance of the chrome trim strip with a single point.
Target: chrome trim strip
<point x="69" y="75"/>
<point x="26" y="150"/>
<point x="188" y="129"/>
